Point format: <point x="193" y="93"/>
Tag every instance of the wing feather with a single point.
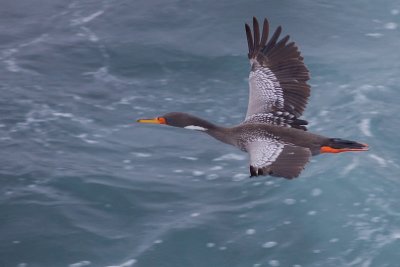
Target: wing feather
<point x="256" y="28"/>
<point x="278" y="76"/>
<point x="272" y="157"/>
<point x="265" y="33"/>
<point x="249" y="40"/>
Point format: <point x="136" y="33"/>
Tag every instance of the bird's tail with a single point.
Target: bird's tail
<point x="337" y="145"/>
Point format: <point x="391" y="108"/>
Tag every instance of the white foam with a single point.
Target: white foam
<point x="195" y="214"/>
<point x="80" y="264"/>
<point x="391" y="26"/>
<point x="240" y="177"/>
<point x="312" y="212"/>
<point x="128" y="263"/>
<point x="274" y="263"/>
<point x="104" y="75"/>
<point x="230" y="156"/>
<point x="37" y="40"/>
<point x="269" y="244"/>
<point x="216" y="168"/>
<point x="90" y="35"/>
<point x="197" y="173"/>
<point x="375" y="219"/>
<point x="8" y="52"/>
<point x="289" y="201"/>
<point x="81" y="120"/>
<point x="396" y="235"/>
<point x="316" y="192"/>
<point x="365" y="127"/>
<point x="394" y="11"/>
<point x="354" y="163"/>
<point x="367" y="87"/>
<point x="323" y="113"/>
<point x="212" y="176"/>
<point x="250" y="231"/>
<point x="12" y="65"/>
<point x="126" y="100"/>
<point x="64" y="115"/>
<point x="381" y="161"/>
<point x="189" y="158"/>
<point x="360" y="262"/>
<point x="141" y="155"/>
<point x="84" y="138"/>
<point x="210" y="245"/>
<point x="374" y="34"/>
<point x="269" y="183"/>
<point x="87" y="19"/>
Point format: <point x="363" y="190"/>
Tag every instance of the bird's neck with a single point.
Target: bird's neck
<point x="220" y="133"/>
<point x="200" y="124"/>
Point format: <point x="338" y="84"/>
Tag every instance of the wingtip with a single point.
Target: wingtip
<point x="249" y="40"/>
<point x="255" y="21"/>
<point x="256" y="34"/>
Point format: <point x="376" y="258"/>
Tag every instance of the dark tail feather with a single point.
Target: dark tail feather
<point x="337" y="145"/>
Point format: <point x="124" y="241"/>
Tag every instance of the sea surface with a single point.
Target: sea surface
<point x="82" y="184"/>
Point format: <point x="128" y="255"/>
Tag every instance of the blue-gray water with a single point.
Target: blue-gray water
<point x="83" y="185"/>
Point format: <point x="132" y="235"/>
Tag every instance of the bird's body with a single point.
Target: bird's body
<point x="243" y="134"/>
<point x="272" y="133"/>
<point x="262" y="132"/>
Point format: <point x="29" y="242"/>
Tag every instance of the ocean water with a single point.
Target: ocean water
<point x="82" y="184"/>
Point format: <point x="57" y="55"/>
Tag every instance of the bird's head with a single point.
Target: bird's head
<point x="182" y="120"/>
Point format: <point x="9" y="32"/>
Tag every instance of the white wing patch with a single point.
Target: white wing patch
<point x="264" y="153"/>
<point x="194" y="127"/>
<point x="265" y="92"/>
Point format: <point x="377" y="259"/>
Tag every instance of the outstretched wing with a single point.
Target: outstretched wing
<point x="278" y="76"/>
<point x="272" y="157"/>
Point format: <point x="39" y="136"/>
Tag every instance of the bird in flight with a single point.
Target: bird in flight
<point x="272" y="133"/>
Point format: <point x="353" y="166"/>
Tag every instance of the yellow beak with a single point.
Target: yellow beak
<point x="158" y="120"/>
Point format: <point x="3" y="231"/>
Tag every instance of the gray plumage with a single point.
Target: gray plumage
<point x="272" y="133"/>
<point x="274" y="150"/>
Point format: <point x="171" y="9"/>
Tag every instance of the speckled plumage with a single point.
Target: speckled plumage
<point x="278" y="118"/>
<point x="265" y="91"/>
